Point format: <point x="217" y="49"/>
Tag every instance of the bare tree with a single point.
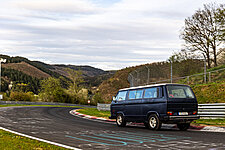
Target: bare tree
<point x="202" y="32"/>
<point x="76" y="78"/>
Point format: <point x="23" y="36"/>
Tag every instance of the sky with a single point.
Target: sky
<point x="106" y="34"/>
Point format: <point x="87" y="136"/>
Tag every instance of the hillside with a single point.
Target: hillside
<point x="87" y="71"/>
<point x="27" y="69"/>
<point x="157" y="72"/>
<point x="210" y="93"/>
<point x="55" y="70"/>
<point x="92" y="76"/>
<point x="109" y="88"/>
<point x="19" y="69"/>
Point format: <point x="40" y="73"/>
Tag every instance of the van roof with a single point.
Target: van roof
<point x="153" y="85"/>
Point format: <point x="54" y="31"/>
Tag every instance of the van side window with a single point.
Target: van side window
<point x="139" y="94"/>
<point x="121" y="95"/>
<point x="135" y="94"/>
<point x="151" y="93"/>
<point x="132" y="94"/>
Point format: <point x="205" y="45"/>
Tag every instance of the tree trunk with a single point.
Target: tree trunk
<point x="215" y="58"/>
<point x="208" y="60"/>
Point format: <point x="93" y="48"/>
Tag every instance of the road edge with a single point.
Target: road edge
<point x="39" y="139"/>
<point x="192" y="128"/>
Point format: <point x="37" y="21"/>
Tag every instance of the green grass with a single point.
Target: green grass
<point x="10" y="141"/>
<point x="210" y="93"/>
<point x="216" y="68"/>
<point x="94" y="112"/>
<point x="214" y="122"/>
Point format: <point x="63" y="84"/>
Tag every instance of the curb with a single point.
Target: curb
<point x="75" y="113"/>
<point x="167" y="126"/>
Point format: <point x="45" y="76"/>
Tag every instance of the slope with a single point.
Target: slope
<point x="27" y="69"/>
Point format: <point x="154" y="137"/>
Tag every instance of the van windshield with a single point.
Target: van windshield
<point x="177" y="91"/>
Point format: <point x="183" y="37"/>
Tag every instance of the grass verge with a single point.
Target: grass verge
<point x="94" y="112"/>
<point x="10" y="141"/>
<point x="213" y="122"/>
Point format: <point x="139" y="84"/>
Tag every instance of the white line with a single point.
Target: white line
<point x="42" y="140"/>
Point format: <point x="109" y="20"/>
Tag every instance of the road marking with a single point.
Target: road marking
<point x="42" y="140"/>
<point x="126" y="138"/>
<point x="123" y="143"/>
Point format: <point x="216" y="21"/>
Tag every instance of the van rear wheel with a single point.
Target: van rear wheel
<point x="183" y="126"/>
<point x="120" y="120"/>
<point x="154" y="123"/>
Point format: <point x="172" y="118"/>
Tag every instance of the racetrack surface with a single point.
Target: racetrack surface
<point x="56" y="124"/>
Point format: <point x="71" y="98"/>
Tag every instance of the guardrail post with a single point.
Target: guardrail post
<point x="188" y="79"/>
<point x="209" y="76"/>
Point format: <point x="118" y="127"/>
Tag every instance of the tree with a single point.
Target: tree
<point x="203" y="31"/>
<point x="186" y="63"/>
<point x="52" y="91"/>
<point x="220" y="19"/>
<point x="76" y="80"/>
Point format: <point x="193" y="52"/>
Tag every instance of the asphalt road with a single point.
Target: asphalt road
<point x="58" y="125"/>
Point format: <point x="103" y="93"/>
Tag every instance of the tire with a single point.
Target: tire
<point x="120" y="120"/>
<point x="183" y="126"/>
<point x="154" y="123"/>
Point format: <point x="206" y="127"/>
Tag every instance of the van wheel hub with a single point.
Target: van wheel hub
<point x="120" y="120"/>
<point x="152" y="122"/>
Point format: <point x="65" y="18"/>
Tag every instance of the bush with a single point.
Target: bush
<point x="97" y="98"/>
<point x="20" y="96"/>
<point x="5" y="96"/>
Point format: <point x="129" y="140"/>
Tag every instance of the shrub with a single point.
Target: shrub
<point x="20" y="96"/>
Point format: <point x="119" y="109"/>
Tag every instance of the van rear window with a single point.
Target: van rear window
<point x="175" y="91"/>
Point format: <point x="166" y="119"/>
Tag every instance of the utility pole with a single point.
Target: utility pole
<point x="1" y="61"/>
<point x="205" y="70"/>
<point x="171" y="68"/>
<point x="148" y="75"/>
<point x="132" y="80"/>
<point x="137" y="77"/>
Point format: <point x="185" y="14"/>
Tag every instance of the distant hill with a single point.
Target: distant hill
<point x="27" y="69"/>
<point x="37" y="70"/>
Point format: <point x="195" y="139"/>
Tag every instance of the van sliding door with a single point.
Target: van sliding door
<point x="133" y="108"/>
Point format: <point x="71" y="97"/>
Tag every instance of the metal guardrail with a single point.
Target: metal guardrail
<point x="205" y="111"/>
<point x="42" y="103"/>
<point x="103" y="107"/>
<point x="212" y="111"/>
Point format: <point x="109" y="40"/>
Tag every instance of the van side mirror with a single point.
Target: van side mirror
<point x="114" y="98"/>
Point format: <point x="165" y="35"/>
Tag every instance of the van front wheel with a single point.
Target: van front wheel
<point x="154" y="123"/>
<point x="120" y="120"/>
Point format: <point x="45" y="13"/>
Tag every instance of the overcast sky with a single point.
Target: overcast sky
<point x="107" y="34"/>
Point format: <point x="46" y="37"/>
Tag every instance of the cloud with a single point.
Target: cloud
<point x="106" y="34"/>
<point x="57" y="6"/>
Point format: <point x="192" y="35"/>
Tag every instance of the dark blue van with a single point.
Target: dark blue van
<point x="154" y="105"/>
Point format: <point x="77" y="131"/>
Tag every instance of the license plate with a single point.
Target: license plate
<point x="182" y="113"/>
